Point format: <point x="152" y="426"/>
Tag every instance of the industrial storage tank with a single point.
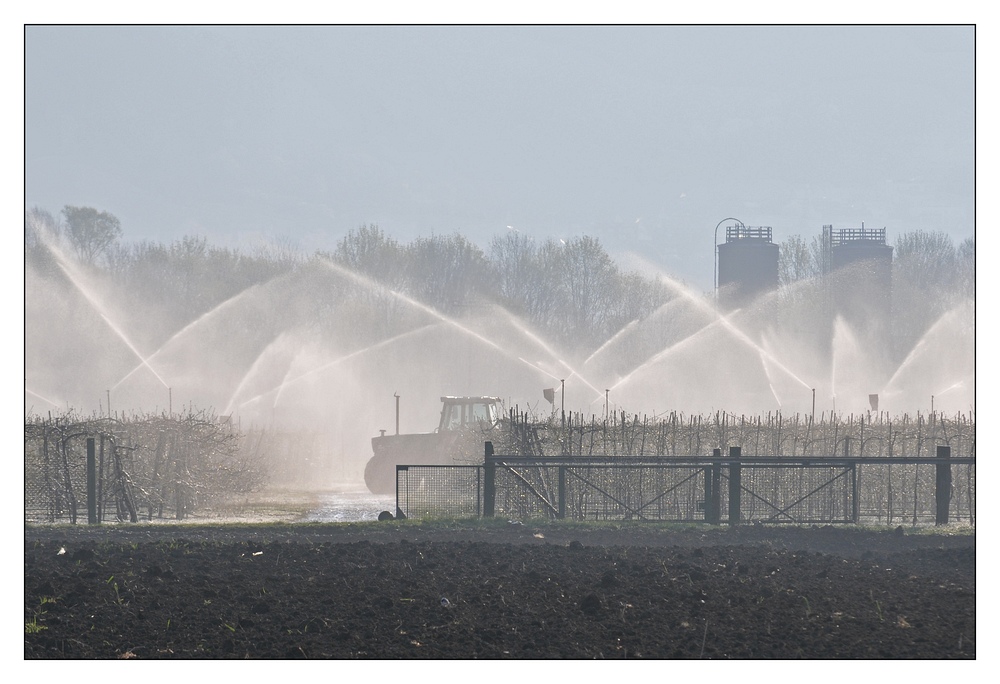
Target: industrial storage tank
<point x="748" y="265"/>
<point x="865" y="250"/>
<point x="859" y="268"/>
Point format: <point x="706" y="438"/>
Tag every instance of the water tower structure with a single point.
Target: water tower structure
<point x="748" y="265"/>
<point x="865" y="246"/>
<point x="858" y="266"/>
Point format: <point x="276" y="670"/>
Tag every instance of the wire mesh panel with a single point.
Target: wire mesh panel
<point x="675" y="493"/>
<point x="963" y="499"/>
<point x="55" y="485"/>
<point x="796" y="493"/>
<point x="439" y="491"/>
<point x="525" y="492"/>
<point x="894" y="494"/>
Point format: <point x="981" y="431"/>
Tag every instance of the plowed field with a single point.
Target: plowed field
<point x="497" y="590"/>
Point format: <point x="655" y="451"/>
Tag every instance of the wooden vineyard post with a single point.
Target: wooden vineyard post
<point x="489" y="482"/>
<point x="91" y="482"/>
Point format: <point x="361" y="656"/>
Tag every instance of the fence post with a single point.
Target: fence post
<point x="734" y="485"/>
<point x="943" y="488"/>
<point x="91" y="482"/>
<point x="489" y="482"/>
<point x="399" y="511"/>
<point x="714" y="486"/>
<point x="562" y="492"/>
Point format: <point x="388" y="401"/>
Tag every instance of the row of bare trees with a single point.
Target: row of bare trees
<point x="571" y="292"/>
<point x="773" y="434"/>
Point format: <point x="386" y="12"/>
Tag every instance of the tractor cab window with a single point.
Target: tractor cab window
<point x="483" y="413"/>
<point x="451" y="417"/>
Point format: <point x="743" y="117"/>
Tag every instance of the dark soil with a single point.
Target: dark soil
<point x="394" y="590"/>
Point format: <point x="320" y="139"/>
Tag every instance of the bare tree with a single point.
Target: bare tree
<point x="799" y="260"/>
<point x="443" y="271"/>
<point x="926" y="257"/>
<point x="924" y="283"/>
<point x="512" y="258"/>
<point x="966" y="267"/>
<point x="369" y="251"/>
<point x="91" y="232"/>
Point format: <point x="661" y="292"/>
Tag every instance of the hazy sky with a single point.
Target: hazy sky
<point x="645" y="137"/>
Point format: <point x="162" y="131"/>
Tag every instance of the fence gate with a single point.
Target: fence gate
<point x="796" y="493"/>
<point x="599" y="491"/>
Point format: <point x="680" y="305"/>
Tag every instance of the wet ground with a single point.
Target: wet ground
<point x="349" y="505"/>
<point x="497" y="590"/>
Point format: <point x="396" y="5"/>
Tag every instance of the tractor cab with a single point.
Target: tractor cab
<point x="458" y="413"/>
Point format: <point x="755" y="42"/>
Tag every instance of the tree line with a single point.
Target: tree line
<point x="571" y="292"/>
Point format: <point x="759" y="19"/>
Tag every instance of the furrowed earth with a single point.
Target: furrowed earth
<point x="497" y="590"/>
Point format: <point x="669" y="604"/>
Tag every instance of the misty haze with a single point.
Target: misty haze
<point x="318" y="345"/>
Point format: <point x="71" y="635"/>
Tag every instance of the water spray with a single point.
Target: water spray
<point x="358" y="278"/>
<point x="324" y="367"/>
<point x="195" y="323"/>
<point x="67" y="269"/>
<point x="720" y="320"/>
<point x="46" y="400"/>
<point x="558" y="357"/>
<point x="614" y="338"/>
<point x="97" y="307"/>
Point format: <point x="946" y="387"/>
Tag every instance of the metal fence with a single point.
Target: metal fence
<point x="732" y="490"/>
<point x="454" y="491"/>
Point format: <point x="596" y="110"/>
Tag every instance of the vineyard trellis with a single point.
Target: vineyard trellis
<point x="147" y="466"/>
<point x="676" y="434"/>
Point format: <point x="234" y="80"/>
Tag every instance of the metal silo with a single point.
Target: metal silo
<point x="859" y="266"/>
<point x="748" y="265"/>
<point x="864" y="248"/>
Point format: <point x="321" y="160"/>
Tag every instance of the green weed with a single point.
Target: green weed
<point x="34" y="627"/>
